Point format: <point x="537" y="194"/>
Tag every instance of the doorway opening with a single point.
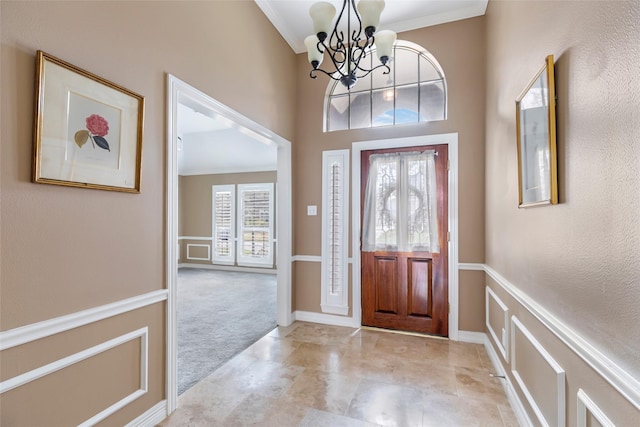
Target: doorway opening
<point x="179" y="95"/>
<point x="451" y="142"/>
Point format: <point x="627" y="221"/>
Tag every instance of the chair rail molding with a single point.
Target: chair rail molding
<point x="35" y="331"/>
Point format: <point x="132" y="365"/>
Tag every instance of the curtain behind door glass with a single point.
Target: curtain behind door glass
<point x="400" y="205"/>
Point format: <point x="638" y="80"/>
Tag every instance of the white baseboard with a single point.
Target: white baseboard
<point x="472" y="337"/>
<point x="516" y="404"/>
<point x="152" y="417"/>
<point x="327" y="319"/>
<point x="229" y="268"/>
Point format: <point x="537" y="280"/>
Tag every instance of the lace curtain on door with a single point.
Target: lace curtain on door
<point x="400" y="205"/>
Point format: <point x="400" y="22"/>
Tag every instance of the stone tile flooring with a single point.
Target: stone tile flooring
<point x="316" y="375"/>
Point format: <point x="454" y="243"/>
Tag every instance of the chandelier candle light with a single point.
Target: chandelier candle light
<point x="346" y="53"/>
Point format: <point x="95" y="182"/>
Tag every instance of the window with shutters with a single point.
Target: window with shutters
<point x="255" y="229"/>
<point x="335" y="217"/>
<point x="224" y="224"/>
<point x="414" y="91"/>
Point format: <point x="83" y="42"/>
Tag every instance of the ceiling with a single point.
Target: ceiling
<point x="210" y="143"/>
<point x="291" y="17"/>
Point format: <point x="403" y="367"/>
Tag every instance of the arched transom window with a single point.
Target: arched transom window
<point x="415" y="91"/>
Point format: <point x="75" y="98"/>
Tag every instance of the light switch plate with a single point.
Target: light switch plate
<point x="312" y="210"/>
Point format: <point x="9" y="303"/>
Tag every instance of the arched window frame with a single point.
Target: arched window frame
<point x="420" y="52"/>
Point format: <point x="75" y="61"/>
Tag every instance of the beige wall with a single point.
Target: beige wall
<point x="63" y="250"/>
<point x="196" y="202"/>
<point x="579" y="259"/>
<point x="459" y="47"/>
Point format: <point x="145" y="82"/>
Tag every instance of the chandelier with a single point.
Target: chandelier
<point x="345" y="51"/>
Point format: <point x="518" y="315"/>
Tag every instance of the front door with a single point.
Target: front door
<point x="404" y="273"/>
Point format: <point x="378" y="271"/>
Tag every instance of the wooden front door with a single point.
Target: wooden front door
<point x="408" y="290"/>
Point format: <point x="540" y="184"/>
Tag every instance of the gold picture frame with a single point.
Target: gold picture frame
<point x="88" y="131"/>
<point x="536" y="136"/>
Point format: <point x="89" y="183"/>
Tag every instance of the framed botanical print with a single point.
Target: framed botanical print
<point x="88" y="131"/>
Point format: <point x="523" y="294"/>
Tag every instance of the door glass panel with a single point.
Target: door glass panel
<point x="418" y="214"/>
<point x="387" y="205"/>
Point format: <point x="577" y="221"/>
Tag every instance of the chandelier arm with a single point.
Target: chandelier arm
<point x="355" y="37"/>
<point x="311" y="74"/>
<point x="367" y="72"/>
<point x="332" y="55"/>
<point x="337" y="37"/>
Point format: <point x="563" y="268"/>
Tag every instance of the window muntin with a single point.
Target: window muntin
<point x="414" y="91"/>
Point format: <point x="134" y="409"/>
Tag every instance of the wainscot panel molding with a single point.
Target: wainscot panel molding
<point x="587" y="406"/>
<point x="152" y="417"/>
<point x="502" y="340"/>
<point x="142" y="334"/>
<point x="512" y="396"/>
<point x="198" y="245"/>
<point x="327" y="319"/>
<point x="35" y="331"/>
<point x="621" y="380"/>
<point x="559" y="417"/>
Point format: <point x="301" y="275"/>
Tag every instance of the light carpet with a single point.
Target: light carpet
<point x="220" y="314"/>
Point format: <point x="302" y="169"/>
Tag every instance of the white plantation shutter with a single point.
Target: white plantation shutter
<point x="224" y="224"/>
<point x="255" y="204"/>
<point x="335" y="212"/>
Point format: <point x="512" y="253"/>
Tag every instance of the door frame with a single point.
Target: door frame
<point x="177" y="90"/>
<point x="450" y="139"/>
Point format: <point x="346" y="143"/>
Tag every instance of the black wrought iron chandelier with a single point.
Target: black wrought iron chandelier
<point x="347" y="51"/>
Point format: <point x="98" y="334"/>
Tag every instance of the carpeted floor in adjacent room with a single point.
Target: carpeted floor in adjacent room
<point x="220" y="314"/>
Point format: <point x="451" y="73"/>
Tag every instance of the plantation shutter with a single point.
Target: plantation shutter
<point x="223" y="224"/>
<point x="256" y="224"/>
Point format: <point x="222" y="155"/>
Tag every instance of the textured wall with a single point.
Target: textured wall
<point x="459" y="48"/>
<point x="578" y="259"/>
<point x="62" y="249"/>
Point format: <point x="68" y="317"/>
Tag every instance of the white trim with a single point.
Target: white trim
<point x="559" y="371"/>
<point x="470" y="266"/>
<point x="151" y="417"/>
<point x="512" y="396"/>
<point x="306" y="258"/>
<point x="195" y="238"/>
<point x="221" y="267"/>
<point x="503" y="342"/>
<point x="586" y="405"/>
<point x="227" y="170"/>
<point x="621" y="380"/>
<point x="325" y="319"/>
<point x="35" y="331"/>
<point x="451" y="139"/>
<point x="335" y="303"/>
<point x="189" y="245"/>
<point x="472" y="337"/>
<point x="179" y="91"/>
<point x="142" y="333"/>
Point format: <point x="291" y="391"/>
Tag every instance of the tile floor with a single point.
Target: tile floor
<point x="316" y="375"/>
